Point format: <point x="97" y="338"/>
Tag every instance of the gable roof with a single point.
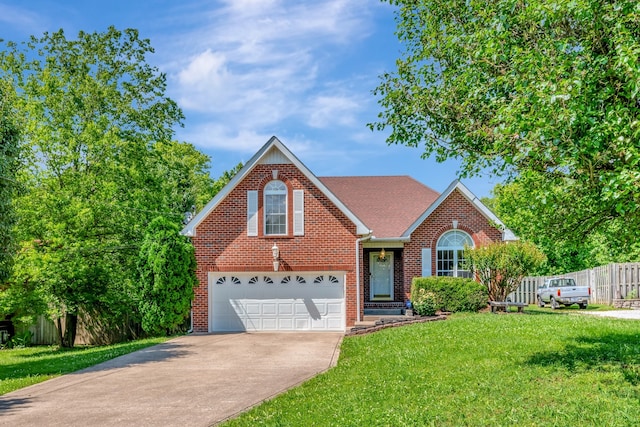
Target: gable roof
<point x="273" y="151"/>
<point x="388" y="205"/>
<point x="507" y="234"/>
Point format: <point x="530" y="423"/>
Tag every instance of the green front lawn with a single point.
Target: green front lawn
<point x="538" y="368"/>
<point x="25" y="366"/>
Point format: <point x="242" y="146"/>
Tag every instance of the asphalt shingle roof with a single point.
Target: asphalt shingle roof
<point x="388" y="205"/>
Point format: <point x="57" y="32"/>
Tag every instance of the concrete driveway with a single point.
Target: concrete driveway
<point x="620" y="314"/>
<point x="194" y="380"/>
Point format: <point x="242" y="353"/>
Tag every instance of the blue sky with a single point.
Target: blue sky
<point x="244" y="70"/>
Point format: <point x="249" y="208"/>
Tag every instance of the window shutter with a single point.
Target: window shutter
<point x="252" y="213"/>
<point x="426" y="262"/>
<point x="298" y="212"/>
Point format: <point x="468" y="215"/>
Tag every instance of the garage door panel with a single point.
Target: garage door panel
<point x="269" y="325"/>
<point x="302" y="309"/>
<point x="334" y="308"/>
<point x="252" y="308"/>
<point x="302" y="324"/>
<point x="319" y="324"/>
<point x="285" y="308"/>
<point x="286" y="324"/>
<point x="268" y="308"/>
<point x="319" y="309"/>
<point x="251" y="324"/>
<point x="333" y="324"/>
<point x="272" y="302"/>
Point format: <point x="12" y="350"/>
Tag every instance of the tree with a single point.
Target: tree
<point x="502" y="266"/>
<point x="543" y="93"/>
<point x="92" y="112"/>
<point x="527" y="216"/>
<point x="9" y="146"/>
<point x="60" y="278"/>
<point x="184" y="176"/>
<point x="167" y="267"/>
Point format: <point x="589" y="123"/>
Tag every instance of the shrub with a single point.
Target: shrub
<point x="424" y="303"/>
<point x="167" y="267"/>
<point x="20" y="340"/>
<point x="500" y="266"/>
<point x="452" y="294"/>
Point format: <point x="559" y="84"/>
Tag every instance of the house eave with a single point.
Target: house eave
<point x="403" y="239"/>
<point x="387" y="243"/>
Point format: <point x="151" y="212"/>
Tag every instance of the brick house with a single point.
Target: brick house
<point x="281" y="249"/>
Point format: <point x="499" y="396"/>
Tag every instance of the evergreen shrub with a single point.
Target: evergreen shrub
<point x="453" y="294"/>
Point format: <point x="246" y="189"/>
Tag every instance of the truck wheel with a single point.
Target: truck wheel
<point x="540" y="302"/>
<point x="582" y="306"/>
<point x="554" y="304"/>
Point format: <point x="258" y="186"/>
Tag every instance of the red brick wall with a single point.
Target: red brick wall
<point x="221" y="242"/>
<point x="455" y="207"/>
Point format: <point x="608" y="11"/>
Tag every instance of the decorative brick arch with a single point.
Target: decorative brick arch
<point x="446" y="229"/>
<point x="288" y="182"/>
<point x="282" y="176"/>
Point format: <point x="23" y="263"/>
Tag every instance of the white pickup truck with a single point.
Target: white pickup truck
<point x="560" y="290"/>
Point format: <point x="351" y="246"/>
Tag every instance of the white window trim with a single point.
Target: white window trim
<point x="453" y="248"/>
<point x="267" y="192"/>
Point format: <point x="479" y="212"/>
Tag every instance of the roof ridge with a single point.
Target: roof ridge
<point x="364" y="176"/>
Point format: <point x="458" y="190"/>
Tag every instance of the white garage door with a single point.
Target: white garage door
<point x="272" y="301"/>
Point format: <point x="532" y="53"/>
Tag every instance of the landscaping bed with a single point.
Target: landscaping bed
<point x="627" y="303"/>
<point x="392" y="322"/>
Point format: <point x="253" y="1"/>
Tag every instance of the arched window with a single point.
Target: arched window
<point x="450" y="249"/>
<point x="275" y="208"/>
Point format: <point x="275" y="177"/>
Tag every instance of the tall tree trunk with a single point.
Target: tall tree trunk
<point x="59" y="331"/>
<point x="67" y="338"/>
<point x="70" y="327"/>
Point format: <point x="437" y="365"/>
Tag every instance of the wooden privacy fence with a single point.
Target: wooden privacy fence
<point x="44" y="331"/>
<point x="90" y="331"/>
<point x="609" y="282"/>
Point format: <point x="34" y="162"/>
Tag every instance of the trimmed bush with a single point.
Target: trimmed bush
<point x="452" y="294"/>
<point x="424" y="303"/>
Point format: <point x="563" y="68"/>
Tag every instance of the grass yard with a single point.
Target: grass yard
<point x="26" y="366"/>
<point x="540" y="368"/>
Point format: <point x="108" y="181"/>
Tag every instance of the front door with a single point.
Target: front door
<point x="381" y="273"/>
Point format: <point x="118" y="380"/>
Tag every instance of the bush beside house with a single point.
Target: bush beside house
<point x="451" y="294"/>
<point x="501" y="267"/>
<point x="424" y="303"/>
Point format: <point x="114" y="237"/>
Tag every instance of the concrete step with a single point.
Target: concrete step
<point x="383" y="311"/>
<point x="366" y="322"/>
<point x="378" y="319"/>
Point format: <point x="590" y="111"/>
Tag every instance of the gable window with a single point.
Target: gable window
<point x="450" y="247"/>
<point x="275" y="208"/>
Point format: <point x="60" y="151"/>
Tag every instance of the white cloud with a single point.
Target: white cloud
<point x="252" y="64"/>
<point x="206" y="67"/>
<point x="22" y="19"/>
<point x="17" y="16"/>
<point x="217" y="135"/>
<point x="205" y="75"/>
<point x="332" y="110"/>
